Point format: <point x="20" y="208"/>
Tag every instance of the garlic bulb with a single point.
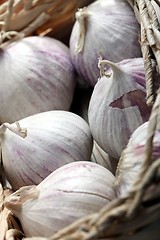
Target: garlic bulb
<point x="69" y="193"/>
<point x="103" y="26"/>
<point x="54" y="138"/>
<point x="118" y="105"/>
<point x="133" y="157"/>
<point x="102" y="158"/>
<point x="40" y="78"/>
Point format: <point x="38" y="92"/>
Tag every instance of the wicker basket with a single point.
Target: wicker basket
<point x="20" y="18"/>
<point x="137" y="216"/>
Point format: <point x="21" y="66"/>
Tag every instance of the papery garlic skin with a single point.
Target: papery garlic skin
<point x="71" y="192"/>
<point x="36" y="76"/>
<point x="109" y="27"/>
<point x="102" y="158"/>
<point x="54" y="138"/>
<point x="133" y="158"/>
<point x="118" y="105"/>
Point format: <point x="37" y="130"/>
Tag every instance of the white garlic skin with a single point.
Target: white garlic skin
<point x="118" y="106"/>
<point x="54" y="138"/>
<point x="71" y="192"/>
<point x="132" y="159"/>
<point x="112" y="29"/>
<point x="36" y="76"/>
<point x="102" y="158"/>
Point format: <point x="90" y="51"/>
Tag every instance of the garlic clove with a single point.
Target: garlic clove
<point x="100" y="157"/>
<point x="41" y="78"/>
<point x="53" y="138"/>
<point x="118" y="105"/>
<point x="132" y="159"/>
<point x="103" y="26"/>
<point x="69" y="193"/>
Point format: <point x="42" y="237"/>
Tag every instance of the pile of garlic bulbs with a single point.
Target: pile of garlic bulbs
<point x="71" y="116"/>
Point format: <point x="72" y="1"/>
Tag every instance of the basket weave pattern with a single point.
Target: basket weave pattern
<point x="21" y="18"/>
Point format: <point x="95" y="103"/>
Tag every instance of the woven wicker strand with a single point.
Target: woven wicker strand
<point x="113" y="221"/>
<point x="21" y="18"/>
<point x="147" y="61"/>
<point x="150" y="40"/>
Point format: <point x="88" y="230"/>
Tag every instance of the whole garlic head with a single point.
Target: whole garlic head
<point x="69" y="193"/>
<point x="118" y="104"/>
<point x="109" y="26"/>
<point x="133" y="158"/>
<point x="40" y="78"/>
<point x="53" y="139"/>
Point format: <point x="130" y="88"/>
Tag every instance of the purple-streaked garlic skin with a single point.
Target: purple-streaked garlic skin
<point x="54" y="138"/>
<point x="133" y="158"/>
<point x="71" y="192"/>
<point x="40" y="78"/>
<point x="118" y="106"/>
<point x="112" y="29"/>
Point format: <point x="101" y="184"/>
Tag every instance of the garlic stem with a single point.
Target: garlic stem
<point x="102" y="63"/>
<point x="23" y="194"/>
<point x="22" y="132"/>
<point x="81" y="15"/>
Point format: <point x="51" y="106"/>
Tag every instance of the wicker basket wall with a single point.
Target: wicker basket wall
<point x="137" y="216"/>
<point x="20" y="18"/>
